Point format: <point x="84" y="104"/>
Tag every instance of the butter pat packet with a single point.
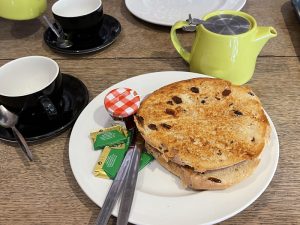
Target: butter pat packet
<point x="109" y="138"/>
<point x="98" y="169"/>
<point x="93" y="135"/>
<point x="146" y="158"/>
<point x="115" y="158"/>
<point x="114" y="161"/>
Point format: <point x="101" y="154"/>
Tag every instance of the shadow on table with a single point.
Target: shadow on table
<point x="20" y="153"/>
<point x="76" y="188"/>
<point x="292" y="23"/>
<point x="18" y="29"/>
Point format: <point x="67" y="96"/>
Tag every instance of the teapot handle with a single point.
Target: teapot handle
<point x="182" y="52"/>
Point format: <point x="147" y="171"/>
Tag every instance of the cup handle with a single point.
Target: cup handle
<point x="182" y="52"/>
<point x="48" y="107"/>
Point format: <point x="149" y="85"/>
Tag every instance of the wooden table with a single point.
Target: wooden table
<point x="46" y="192"/>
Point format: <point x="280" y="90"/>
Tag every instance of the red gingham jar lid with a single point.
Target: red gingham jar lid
<point x="122" y="102"/>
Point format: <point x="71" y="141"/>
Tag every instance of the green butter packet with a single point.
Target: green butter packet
<point x="109" y="138"/>
<point x="116" y="155"/>
<point x="114" y="160"/>
<point x="146" y="158"/>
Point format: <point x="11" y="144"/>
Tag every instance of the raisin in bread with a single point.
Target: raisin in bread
<point x="204" y="123"/>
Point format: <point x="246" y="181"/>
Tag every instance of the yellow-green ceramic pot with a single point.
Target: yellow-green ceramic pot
<point x="230" y="57"/>
<point x="22" y="9"/>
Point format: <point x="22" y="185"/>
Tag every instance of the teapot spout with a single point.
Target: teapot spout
<point x="264" y="34"/>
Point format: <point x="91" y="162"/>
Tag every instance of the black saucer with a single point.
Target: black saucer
<point x="75" y="97"/>
<point x="107" y="34"/>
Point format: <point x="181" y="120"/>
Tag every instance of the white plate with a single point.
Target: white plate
<point x="159" y="198"/>
<point x="167" y="12"/>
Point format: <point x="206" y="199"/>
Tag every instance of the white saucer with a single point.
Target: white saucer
<point x="160" y="199"/>
<point x="167" y="12"/>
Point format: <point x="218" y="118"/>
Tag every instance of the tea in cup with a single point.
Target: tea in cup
<point x="31" y="85"/>
<point x="78" y="17"/>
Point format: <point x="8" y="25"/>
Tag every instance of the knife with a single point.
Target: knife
<point x="115" y="188"/>
<point x="130" y="181"/>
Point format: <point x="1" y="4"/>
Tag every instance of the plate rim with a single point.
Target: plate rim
<point x="137" y="218"/>
<point x="169" y="24"/>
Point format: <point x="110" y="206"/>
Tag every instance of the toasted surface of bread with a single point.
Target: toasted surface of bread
<point x="204" y="123"/>
<point x="210" y="180"/>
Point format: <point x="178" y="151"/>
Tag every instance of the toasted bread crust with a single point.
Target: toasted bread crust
<point x="204" y="123"/>
<point x="210" y="180"/>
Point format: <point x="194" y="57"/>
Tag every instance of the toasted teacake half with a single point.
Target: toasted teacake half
<point x="204" y="123"/>
<point x="210" y="180"/>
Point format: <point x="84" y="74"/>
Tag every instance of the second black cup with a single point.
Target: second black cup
<point x="31" y="85"/>
<point x="78" y="17"/>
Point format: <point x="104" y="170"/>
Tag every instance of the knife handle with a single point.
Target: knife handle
<point x="114" y="191"/>
<point x="129" y="188"/>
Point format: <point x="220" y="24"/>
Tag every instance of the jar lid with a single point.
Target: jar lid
<point x="122" y="102"/>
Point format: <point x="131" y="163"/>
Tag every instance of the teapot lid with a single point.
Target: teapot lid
<point x="227" y="24"/>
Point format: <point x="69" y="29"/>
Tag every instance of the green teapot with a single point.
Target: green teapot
<point x="22" y="9"/>
<point x="229" y="57"/>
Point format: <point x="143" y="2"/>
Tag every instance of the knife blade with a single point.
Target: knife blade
<point x="130" y="183"/>
<point x="115" y="188"/>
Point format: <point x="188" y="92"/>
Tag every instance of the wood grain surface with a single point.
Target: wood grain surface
<point x="46" y="192"/>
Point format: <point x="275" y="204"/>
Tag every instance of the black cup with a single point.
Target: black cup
<point x="31" y="85"/>
<point x="79" y="18"/>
